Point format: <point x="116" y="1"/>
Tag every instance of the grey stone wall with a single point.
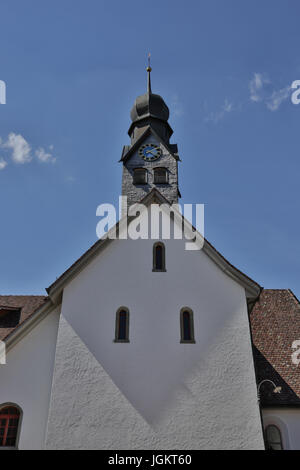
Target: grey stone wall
<point x="134" y="192"/>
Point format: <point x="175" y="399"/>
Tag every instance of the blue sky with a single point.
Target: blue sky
<point x="73" y="70"/>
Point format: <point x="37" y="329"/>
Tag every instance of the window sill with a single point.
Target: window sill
<point x="159" y="270"/>
<point x="121" y="341"/>
<point x="8" y="448"/>
<point x="191" y="341"/>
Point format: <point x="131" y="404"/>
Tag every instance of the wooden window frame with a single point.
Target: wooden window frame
<point x="145" y="173"/>
<point x="18" y="416"/>
<point x="154" y="268"/>
<point x="166" y="173"/>
<point x="280" y="435"/>
<point x="126" y="340"/>
<point x="191" y="314"/>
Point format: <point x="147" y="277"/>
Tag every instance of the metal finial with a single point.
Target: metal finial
<point x="149" y="78"/>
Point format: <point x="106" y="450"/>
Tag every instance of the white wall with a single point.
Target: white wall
<point x="199" y="395"/>
<point x="288" y="421"/>
<point x="27" y="377"/>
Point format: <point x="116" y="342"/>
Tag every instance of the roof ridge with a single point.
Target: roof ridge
<point x="23" y="295"/>
<point x="294" y="296"/>
<point x="277" y="289"/>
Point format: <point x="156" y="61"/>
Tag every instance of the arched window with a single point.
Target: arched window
<point x="159" y="257"/>
<point x="139" y="176"/>
<point x="9" y="425"/>
<point x="273" y="438"/>
<point x="122" y="325"/>
<point x="160" y="175"/>
<point x="187" y="325"/>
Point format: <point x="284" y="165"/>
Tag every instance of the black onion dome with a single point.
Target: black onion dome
<point x="150" y="110"/>
<point x="149" y="105"/>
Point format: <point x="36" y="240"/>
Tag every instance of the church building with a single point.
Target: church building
<point x="142" y="344"/>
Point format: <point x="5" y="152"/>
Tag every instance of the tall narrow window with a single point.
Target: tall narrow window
<point x="160" y="176"/>
<point x="187" y="325"/>
<point x="9" y="425"/>
<point x="122" y="325"/>
<point x="139" y="176"/>
<point x="159" y="257"/>
<point x="273" y="438"/>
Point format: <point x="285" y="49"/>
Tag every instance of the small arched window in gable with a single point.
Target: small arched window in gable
<point x="187" y="325"/>
<point x="122" y="325"/>
<point x="159" y="257"/>
<point x="273" y="438"/>
<point x="139" y="176"/>
<point x="9" y="425"/>
<point x="160" y="176"/>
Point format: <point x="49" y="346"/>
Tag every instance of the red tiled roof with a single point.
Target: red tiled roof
<point x="9" y="304"/>
<point x="275" y="324"/>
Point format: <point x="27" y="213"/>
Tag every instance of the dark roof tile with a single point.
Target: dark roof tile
<point x="275" y="324"/>
<point x="26" y="304"/>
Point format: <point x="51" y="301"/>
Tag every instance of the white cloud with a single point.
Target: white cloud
<point x="227" y="108"/>
<point x="3" y="164"/>
<point x="44" y="156"/>
<point x="216" y="116"/>
<point x="20" y="148"/>
<point x="257" y="87"/>
<point x="262" y="90"/>
<point x="277" y="98"/>
<point x="21" y="152"/>
<point x="70" y="179"/>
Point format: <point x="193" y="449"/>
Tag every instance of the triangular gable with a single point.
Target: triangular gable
<point x="128" y="151"/>
<point x="55" y="290"/>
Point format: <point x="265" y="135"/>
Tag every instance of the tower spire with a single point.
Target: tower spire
<point x="149" y="91"/>
<point x="149" y="109"/>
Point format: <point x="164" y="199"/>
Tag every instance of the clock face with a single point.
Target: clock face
<point x="150" y="152"/>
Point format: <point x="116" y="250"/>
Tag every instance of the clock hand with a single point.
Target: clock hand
<point x="151" y="151"/>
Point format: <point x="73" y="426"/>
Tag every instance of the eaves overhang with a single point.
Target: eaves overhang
<point x="150" y="117"/>
<point x="26" y="326"/>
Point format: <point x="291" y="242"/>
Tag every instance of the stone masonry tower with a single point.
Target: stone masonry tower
<point x="150" y="161"/>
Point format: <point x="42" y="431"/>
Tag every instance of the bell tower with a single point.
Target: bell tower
<point x="150" y="161"/>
